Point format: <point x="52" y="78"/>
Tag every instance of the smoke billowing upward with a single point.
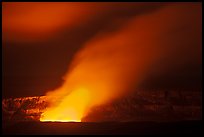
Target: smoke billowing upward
<point x="111" y="63"/>
<point x="120" y="55"/>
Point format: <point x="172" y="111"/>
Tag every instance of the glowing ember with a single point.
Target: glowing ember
<point x="70" y="109"/>
<point x="60" y="120"/>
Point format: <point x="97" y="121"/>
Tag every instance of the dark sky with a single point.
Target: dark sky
<point x="40" y="40"/>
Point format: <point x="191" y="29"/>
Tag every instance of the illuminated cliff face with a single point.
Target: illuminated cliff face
<point x="186" y="104"/>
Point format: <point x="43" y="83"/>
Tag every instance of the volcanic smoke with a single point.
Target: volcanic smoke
<point x="112" y="63"/>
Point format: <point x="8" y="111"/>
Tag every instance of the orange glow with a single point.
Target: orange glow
<point x="70" y="109"/>
<point x="38" y="21"/>
<point x="112" y="63"/>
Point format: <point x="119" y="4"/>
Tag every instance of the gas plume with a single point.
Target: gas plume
<point x="113" y="62"/>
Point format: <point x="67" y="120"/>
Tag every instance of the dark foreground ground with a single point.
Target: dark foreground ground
<point x="138" y="128"/>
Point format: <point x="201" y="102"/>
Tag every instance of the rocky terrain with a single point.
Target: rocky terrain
<point x="152" y="105"/>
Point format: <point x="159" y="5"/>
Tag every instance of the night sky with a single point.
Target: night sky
<point x="41" y="39"/>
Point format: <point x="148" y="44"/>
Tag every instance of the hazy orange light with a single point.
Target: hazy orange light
<point x="70" y="109"/>
<point x="114" y="63"/>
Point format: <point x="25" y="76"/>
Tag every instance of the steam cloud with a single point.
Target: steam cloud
<point x="122" y="53"/>
<point x="112" y="62"/>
